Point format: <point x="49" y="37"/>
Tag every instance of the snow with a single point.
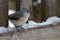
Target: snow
<point x="10" y="24"/>
<point x="10" y="12"/>
<point x="36" y="2"/>
<point x="11" y="29"/>
<point x="5" y="30"/>
<point x="30" y="24"/>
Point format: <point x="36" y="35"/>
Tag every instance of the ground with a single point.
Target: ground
<point x="48" y="33"/>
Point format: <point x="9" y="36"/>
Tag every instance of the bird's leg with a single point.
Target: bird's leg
<point x="17" y="28"/>
<point x="21" y="28"/>
<point x="27" y="22"/>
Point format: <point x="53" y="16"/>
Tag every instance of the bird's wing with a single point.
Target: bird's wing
<point x="16" y="15"/>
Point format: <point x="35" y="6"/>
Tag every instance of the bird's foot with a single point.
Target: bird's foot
<point x="21" y="29"/>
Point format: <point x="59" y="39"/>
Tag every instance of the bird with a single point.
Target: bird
<point x="19" y="18"/>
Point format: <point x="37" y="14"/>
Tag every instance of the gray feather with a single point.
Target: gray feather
<point x="18" y="14"/>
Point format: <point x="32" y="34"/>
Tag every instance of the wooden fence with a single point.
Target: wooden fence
<point x="39" y="13"/>
<point x="3" y="13"/>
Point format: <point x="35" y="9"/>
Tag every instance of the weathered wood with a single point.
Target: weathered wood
<point x="58" y="8"/>
<point x="50" y="8"/>
<point x="12" y="4"/>
<point x="17" y="5"/>
<point x="26" y="3"/>
<point x="43" y="10"/>
<point x="3" y="13"/>
<point x="37" y="13"/>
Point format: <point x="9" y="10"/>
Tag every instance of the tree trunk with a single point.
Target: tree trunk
<point x="50" y="8"/>
<point x="3" y="13"/>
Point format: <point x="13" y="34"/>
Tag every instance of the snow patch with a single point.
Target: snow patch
<point x="3" y="30"/>
<point x="11" y="29"/>
<point x="11" y="24"/>
<point x="36" y="2"/>
<point x="11" y="11"/>
<point x="32" y="24"/>
<point x="6" y="30"/>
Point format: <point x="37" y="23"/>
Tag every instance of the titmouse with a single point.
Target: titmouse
<point x="19" y="18"/>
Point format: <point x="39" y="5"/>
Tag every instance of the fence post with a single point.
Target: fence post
<point x="50" y="8"/>
<point x="17" y="5"/>
<point x="58" y="8"/>
<point x="3" y="13"/>
<point x="43" y="10"/>
<point x="37" y="16"/>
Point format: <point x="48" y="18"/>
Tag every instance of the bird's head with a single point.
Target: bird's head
<point x="25" y="11"/>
